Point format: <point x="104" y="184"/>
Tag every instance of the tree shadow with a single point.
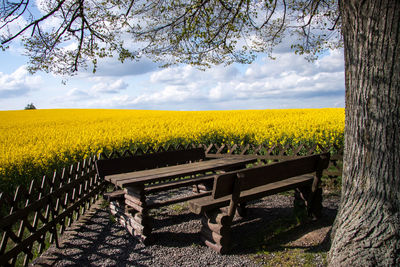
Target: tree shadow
<point x="263" y="225"/>
<point x="248" y="234"/>
<point x="101" y="241"/>
<point x="95" y="241"/>
<point x="273" y="233"/>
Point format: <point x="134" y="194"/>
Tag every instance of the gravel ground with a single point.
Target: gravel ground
<point x="96" y="240"/>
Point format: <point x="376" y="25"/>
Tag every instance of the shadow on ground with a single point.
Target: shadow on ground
<point x="99" y="241"/>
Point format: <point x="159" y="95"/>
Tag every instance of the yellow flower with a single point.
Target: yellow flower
<point x="31" y="142"/>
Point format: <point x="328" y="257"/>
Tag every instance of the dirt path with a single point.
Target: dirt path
<point x="96" y="240"/>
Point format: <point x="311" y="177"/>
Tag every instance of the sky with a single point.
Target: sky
<point x="289" y="81"/>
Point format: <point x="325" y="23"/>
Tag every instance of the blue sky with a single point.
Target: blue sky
<point x="287" y="82"/>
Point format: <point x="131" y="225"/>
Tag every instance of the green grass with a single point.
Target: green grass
<point x="293" y="257"/>
<point x="272" y="246"/>
<point x="178" y="207"/>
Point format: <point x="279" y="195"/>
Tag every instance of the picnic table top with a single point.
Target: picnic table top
<point x="154" y="175"/>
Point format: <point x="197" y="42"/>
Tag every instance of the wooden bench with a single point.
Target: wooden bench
<point x="234" y="189"/>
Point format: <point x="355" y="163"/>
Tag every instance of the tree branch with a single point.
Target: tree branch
<point x="335" y="24"/>
<point x="34" y="23"/>
<point x="270" y="15"/>
<point x="78" y="53"/>
<point x="130" y="7"/>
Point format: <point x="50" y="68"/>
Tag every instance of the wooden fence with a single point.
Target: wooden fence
<point x="263" y="152"/>
<point x="38" y="214"/>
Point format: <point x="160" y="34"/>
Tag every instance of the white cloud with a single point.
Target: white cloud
<point x="216" y="92"/>
<point x="174" y="75"/>
<point x="288" y="82"/>
<point x="77" y="93"/>
<point x="288" y="77"/>
<point x="182" y="75"/>
<point x="334" y="62"/>
<point x="18" y="83"/>
<point x="170" y="97"/>
<point x="110" y="87"/>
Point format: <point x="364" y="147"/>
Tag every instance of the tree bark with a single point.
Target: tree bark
<point x="367" y="228"/>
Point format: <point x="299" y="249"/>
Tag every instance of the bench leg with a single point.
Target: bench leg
<point x="138" y="221"/>
<point x="308" y="203"/>
<point x="215" y="231"/>
<point x="300" y="206"/>
<point x="315" y="204"/>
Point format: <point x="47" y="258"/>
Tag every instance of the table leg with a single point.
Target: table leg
<point x="203" y="187"/>
<point x="139" y="222"/>
<point x="241" y="210"/>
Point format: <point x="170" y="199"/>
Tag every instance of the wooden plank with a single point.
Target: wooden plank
<point x="204" y="204"/>
<point x="274" y="172"/>
<point x="260" y="175"/>
<point x="114" y="195"/>
<point x="134" y="205"/>
<point x="223" y="184"/>
<point x="134" y="199"/>
<point x="157" y="204"/>
<point x="167" y="170"/>
<point x="194" y="165"/>
<point x="141" y="197"/>
<point x="177" y="184"/>
<point x="148" y="161"/>
<point x="155" y="175"/>
<point x="277" y="187"/>
<point x="127" y="220"/>
<point x="213" y="236"/>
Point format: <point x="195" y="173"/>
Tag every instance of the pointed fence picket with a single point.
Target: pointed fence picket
<point x="38" y="214"/>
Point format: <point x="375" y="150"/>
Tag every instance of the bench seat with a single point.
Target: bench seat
<point x="204" y="204"/>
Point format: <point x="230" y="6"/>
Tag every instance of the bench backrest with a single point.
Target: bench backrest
<point x="148" y="161"/>
<point x="262" y="175"/>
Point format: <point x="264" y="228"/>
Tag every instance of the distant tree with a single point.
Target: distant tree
<point x="30" y="106"/>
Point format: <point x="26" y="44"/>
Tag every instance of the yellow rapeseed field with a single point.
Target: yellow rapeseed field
<point x="34" y="141"/>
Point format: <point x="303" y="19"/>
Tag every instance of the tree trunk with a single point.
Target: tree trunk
<point x="367" y="228"/>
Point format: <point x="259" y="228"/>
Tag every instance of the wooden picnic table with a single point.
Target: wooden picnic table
<point x="132" y="212"/>
<point x="159" y="174"/>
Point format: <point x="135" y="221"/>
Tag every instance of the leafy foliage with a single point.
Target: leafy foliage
<point x="69" y="33"/>
<point x="30" y="106"/>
